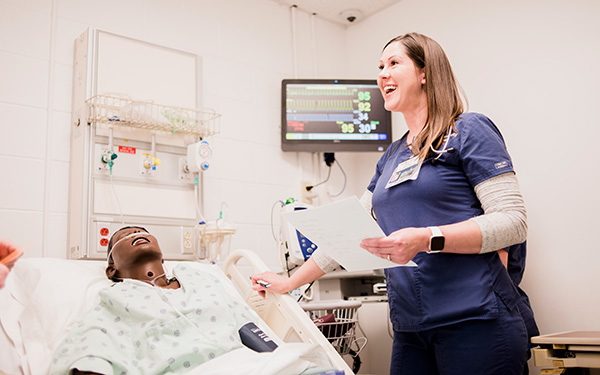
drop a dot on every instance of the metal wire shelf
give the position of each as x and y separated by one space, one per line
337 321
120 111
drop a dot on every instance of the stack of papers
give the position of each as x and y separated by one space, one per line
337 229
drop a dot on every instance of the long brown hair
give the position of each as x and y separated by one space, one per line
444 102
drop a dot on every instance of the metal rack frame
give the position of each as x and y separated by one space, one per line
341 329
122 111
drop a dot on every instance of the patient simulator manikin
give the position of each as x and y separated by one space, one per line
138 257
147 323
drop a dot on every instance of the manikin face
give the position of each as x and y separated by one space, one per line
134 246
400 81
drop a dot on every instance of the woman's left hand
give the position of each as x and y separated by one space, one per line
278 284
400 246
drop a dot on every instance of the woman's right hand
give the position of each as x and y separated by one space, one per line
279 284
7 248
3 275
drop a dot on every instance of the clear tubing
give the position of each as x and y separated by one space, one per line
165 299
153 145
112 184
110 139
134 234
149 281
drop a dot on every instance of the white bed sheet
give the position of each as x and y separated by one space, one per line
43 296
288 359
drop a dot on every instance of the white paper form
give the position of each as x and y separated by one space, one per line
337 229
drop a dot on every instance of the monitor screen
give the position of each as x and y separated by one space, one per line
329 115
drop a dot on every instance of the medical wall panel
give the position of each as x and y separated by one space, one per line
136 109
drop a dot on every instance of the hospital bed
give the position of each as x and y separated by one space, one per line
43 296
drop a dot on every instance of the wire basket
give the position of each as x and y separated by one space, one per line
123 111
337 321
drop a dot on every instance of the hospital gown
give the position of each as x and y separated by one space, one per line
140 329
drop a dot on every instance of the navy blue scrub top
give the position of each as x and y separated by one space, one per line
444 288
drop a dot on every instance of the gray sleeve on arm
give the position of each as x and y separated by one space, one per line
365 201
504 219
324 261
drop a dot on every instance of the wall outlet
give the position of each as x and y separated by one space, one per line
187 238
307 196
184 170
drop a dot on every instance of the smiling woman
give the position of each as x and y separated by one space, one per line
446 196
414 87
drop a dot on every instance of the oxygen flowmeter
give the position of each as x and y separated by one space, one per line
108 157
151 161
198 156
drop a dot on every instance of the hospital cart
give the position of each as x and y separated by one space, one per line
573 352
337 321
372 318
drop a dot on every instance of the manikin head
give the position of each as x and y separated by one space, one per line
133 253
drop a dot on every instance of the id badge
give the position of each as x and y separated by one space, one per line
407 170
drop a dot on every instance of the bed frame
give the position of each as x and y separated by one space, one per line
283 315
28 297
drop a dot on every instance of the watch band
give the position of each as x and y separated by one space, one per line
436 231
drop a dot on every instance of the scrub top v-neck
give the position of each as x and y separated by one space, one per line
444 288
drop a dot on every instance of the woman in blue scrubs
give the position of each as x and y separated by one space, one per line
446 197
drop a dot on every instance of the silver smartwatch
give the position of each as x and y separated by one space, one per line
436 241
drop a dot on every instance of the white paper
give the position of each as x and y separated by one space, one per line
337 229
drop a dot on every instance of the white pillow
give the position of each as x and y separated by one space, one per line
45 296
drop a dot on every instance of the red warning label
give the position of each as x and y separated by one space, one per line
127 150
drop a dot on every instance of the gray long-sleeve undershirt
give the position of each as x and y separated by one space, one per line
503 223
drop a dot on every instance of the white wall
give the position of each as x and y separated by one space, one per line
245 49
532 66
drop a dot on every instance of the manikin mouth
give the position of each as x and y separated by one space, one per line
139 240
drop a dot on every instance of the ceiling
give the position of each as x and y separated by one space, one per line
345 12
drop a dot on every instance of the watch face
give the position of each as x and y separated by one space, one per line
437 243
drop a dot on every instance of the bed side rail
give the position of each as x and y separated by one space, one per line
280 311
